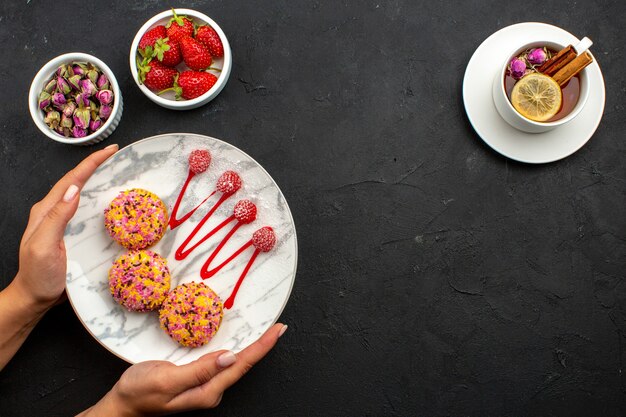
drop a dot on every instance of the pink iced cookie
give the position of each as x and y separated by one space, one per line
191 314
136 218
139 280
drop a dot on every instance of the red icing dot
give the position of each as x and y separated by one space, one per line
264 239
199 160
229 182
245 211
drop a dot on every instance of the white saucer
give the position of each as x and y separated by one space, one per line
503 138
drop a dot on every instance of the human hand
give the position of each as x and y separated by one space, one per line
42 260
158 387
40 280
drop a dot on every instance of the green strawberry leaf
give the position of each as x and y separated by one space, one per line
160 47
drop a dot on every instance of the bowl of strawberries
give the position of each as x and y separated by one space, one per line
180 59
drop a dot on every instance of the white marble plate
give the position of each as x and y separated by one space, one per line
531 148
159 164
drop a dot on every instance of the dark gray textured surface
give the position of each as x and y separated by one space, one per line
435 277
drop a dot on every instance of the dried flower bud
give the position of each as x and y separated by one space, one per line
52 119
74 81
103 82
95 124
87 87
518 68
63 86
105 96
537 56
93 75
105 112
82 100
81 118
51 86
77 132
66 121
63 71
69 108
58 100
44 100
79 69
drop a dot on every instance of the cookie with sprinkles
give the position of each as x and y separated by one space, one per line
191 314
139 280
136 218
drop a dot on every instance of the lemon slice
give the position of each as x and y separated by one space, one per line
537 97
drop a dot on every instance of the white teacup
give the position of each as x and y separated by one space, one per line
515 119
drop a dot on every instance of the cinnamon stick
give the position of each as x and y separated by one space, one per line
572 68
558 61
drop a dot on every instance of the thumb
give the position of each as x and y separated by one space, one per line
53 226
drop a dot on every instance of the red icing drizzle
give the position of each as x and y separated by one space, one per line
229 302
205 272
174 222
183 251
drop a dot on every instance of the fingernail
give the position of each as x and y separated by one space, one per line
70 193
283 330
226 359
115 145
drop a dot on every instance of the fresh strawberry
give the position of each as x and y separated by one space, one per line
245 211
195 54
192 84
209 38
155 75
166 51
199 160
229 182
178 27
264 239
150 37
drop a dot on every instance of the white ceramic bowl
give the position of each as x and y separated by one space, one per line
225 63
42 78
515 119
